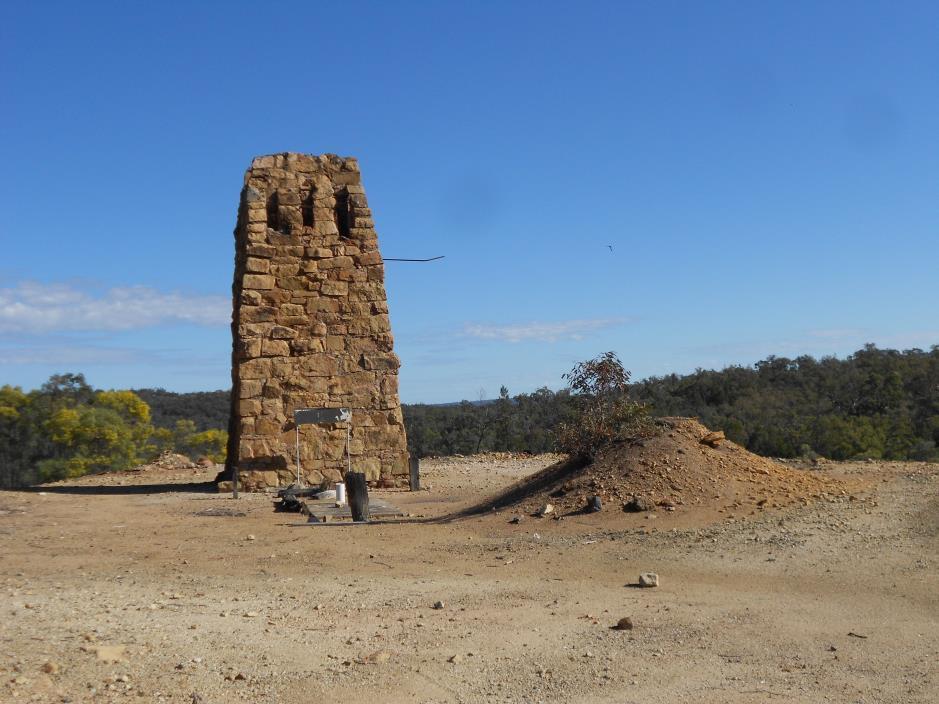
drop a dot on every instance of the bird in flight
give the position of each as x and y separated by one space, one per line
610 246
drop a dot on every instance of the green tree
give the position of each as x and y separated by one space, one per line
109 433
505 425
183 430
210 443
13 436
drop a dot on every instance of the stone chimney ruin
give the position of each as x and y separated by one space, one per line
310 328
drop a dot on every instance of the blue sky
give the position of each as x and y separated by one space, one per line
766 174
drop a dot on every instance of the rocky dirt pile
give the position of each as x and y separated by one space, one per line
685 464
172 460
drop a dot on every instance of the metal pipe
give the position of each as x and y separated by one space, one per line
398 259
348 456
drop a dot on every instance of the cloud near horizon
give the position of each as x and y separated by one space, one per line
36 308
75 355
540 331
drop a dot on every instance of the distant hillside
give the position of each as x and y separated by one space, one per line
207 409
874 403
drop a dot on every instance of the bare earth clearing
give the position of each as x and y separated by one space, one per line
836 600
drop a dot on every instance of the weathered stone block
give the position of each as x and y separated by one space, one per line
273 407
368 258
257 265
258 314
346 178
257 281
336 263
254 368
249 388
318 365
387 361
371 466
272 389
280 332
267 426
250 298
247 349
288 196
400 466
285 270
249 407
303 347
261 250
325 227
334 288
295 284
275 348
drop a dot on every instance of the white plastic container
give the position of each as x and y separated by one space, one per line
340 494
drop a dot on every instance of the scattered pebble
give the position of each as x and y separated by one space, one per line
108 653
637 504
624 624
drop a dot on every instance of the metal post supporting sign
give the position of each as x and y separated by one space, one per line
323 416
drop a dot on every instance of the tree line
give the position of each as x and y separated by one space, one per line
67 429
875 403
881 404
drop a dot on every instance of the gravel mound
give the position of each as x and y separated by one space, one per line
172 460
684 464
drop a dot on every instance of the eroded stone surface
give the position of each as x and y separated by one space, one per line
311 327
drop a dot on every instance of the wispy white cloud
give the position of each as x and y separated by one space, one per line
818 343
922 339
37 308
540 331
74 355
835 334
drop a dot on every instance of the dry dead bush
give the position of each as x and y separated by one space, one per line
604 413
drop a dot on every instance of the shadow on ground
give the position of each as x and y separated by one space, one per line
130 489
536 484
